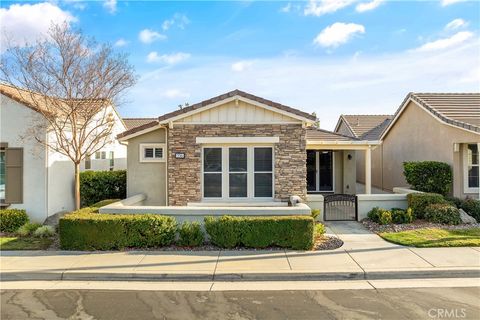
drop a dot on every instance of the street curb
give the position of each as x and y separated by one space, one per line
240 276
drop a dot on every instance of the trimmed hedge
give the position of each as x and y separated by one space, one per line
295 232
84 230
429 176
96 186
420 201
442 213
12 219
190 234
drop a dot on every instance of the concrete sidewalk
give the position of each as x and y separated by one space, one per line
363 256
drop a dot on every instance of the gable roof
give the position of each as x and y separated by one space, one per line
364 126
232 94
325 135
131 123
461 110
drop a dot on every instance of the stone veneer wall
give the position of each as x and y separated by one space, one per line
184 175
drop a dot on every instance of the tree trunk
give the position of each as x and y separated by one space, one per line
77 186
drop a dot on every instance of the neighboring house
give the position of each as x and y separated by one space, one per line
366 127
238 148
435 126
33 177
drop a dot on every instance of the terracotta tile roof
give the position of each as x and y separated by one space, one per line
232 94
363 124
138 129
325 135
458 109
131 123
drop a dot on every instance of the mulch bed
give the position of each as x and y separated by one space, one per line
327 243
417 224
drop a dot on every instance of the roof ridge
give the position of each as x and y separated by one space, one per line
335 133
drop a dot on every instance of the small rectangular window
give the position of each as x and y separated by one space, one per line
100 155
152 152
473 166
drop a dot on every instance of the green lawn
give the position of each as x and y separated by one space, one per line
425 238
16 243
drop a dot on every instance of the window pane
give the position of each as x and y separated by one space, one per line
263 159
158 152
326 171
112 158
473 177
311 171
212 160
472 154
212 185
238 185
238 159
263 185
2 175
148 152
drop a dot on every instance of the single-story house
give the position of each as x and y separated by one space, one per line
238 148
33 177
366 127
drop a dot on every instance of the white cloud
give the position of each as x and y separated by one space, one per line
286 8
26 23
445 43
149 36
456 24
321 7
180 20
367 6
243 65
173 58
110 5
337 34
449 2
175 93
121 42
299 81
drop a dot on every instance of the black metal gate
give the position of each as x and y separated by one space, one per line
340 207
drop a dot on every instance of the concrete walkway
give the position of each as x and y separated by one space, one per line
363 256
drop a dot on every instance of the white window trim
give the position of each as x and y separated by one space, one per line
317 173
466 188
250 174
143 146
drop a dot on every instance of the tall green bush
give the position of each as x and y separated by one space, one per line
96 186
85 230
472 207
429 176
190 234
295 232
442 213
12 219
420 201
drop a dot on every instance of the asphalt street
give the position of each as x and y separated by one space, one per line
420 303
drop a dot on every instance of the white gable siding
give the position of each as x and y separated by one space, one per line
241 113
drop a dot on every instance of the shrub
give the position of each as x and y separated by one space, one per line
420 201
442 213
315 213
472 207
100 185
103 203
191 234
374 214
12 219
428 176
319 229
295 232
44 232
400 216
83 230
454 201
385 217
28 229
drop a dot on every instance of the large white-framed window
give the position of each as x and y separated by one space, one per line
471 167
152 152
236 173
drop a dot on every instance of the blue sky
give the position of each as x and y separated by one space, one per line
329 57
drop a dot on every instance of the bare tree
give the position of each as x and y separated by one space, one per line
73 82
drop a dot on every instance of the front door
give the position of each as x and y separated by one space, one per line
320 170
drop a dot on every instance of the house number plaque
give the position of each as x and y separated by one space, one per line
179 155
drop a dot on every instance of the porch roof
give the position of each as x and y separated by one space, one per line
324 139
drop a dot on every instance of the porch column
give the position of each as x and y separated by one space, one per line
368 170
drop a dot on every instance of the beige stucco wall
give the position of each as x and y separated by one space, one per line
418 136
376 167
146 177
343 129
344 172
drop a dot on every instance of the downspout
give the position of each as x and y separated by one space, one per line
47 172
166 165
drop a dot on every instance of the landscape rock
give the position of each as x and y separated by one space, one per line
466 218
54 219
